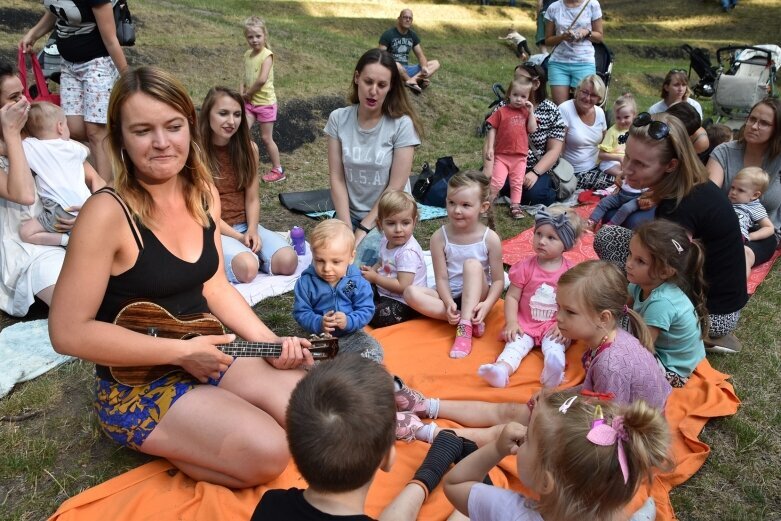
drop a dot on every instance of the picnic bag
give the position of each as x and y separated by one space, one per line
40 90
431 188
126 29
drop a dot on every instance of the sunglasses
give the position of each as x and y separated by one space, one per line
656 129
673 71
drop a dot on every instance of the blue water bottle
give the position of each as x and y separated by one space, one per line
297 237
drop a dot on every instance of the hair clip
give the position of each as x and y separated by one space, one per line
625 310
605 435
567 404
622 138
599 418
677 245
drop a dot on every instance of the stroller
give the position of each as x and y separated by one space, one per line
748 76
699 60
603 57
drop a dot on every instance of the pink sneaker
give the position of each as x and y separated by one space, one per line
407 424
274 175
410 400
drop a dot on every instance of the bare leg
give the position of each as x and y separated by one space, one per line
406 506
46 294
250 119
425 301
243 442
245 266
750 258
97 135
483 414
76 128
284 261
33 232
475 288
560 93
266 131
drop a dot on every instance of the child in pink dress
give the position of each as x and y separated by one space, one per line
530 303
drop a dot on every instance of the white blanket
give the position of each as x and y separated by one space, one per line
25 353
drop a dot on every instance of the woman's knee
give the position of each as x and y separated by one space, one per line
284 261
245 267
96 132
262 459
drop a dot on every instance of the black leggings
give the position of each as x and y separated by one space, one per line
388 311
763 249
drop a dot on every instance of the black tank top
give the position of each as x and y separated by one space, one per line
159 276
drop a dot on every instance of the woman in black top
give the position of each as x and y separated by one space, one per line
219 419
660 156
91 61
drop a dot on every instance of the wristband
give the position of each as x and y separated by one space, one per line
363 228
535 172
588 35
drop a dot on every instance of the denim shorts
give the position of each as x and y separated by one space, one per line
272 242
412 70
568 74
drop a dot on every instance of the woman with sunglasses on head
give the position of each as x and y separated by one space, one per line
547 140
759 145
660 156
586 127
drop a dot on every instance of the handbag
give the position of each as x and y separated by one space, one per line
564 181
40 90
431 188
126 29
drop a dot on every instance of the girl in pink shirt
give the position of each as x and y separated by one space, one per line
530 303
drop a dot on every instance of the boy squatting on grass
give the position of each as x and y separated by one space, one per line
340 428
63 177
332 296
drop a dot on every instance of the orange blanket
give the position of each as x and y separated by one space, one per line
418 352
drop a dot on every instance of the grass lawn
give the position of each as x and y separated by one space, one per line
59 450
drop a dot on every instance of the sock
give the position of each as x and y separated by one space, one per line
64 238
433 408
426 433
462 346
443 452
469 448
497 375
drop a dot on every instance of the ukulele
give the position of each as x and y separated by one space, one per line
150 319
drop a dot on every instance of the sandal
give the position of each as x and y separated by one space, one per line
414 87
516 212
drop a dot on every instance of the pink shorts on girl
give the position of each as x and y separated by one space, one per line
262 113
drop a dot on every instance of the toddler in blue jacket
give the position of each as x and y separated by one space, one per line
332 296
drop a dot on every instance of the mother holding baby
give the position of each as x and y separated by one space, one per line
371 144
26 270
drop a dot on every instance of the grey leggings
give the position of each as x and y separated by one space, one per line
611 243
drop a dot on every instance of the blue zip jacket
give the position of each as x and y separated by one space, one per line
352 295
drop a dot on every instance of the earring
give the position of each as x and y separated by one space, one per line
122 157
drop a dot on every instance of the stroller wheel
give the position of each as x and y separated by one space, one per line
499 91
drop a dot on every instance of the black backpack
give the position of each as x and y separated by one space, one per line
431 187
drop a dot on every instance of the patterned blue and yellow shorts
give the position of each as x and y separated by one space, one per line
129 414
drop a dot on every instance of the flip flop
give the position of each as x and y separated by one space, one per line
424 83
414 87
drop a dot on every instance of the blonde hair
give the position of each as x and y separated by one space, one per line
600 286
393 202
625 100
43 117
676 145
597 85
329 230
196 175
522 83
257 23
675 74
756 176
467 178
587 480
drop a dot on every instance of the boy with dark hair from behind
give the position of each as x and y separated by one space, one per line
341 422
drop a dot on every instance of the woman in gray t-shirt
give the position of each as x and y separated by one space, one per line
371 143
759 145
